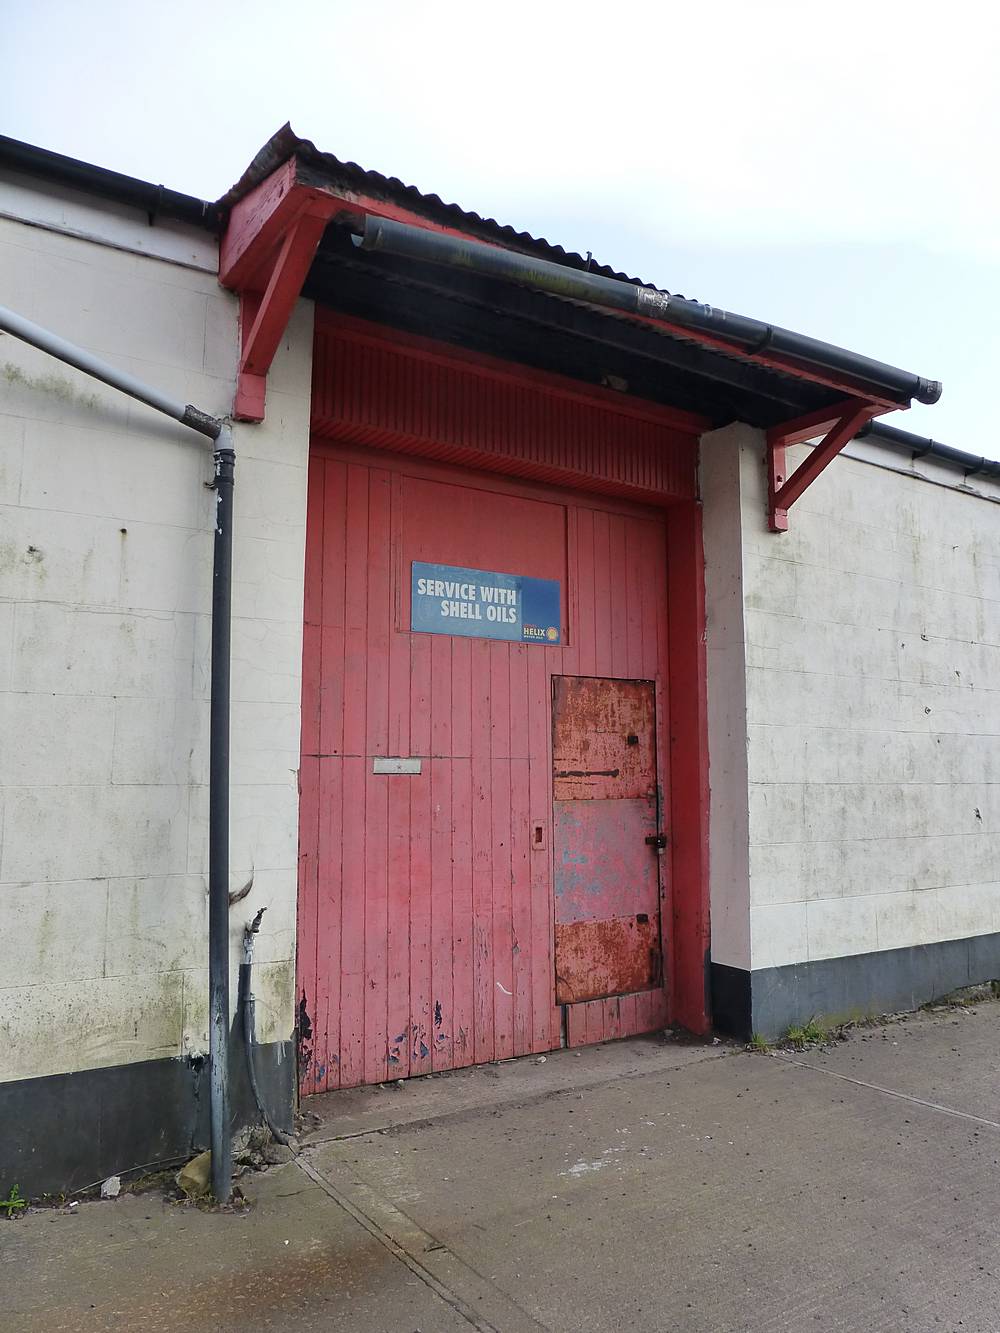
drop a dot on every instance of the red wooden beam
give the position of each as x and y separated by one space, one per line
264 318
269 244
783 490
809 426
688 786
256 226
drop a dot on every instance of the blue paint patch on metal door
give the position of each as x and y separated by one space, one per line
484 604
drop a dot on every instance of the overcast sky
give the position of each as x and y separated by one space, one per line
834 168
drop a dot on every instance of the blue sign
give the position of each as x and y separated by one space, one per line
481 604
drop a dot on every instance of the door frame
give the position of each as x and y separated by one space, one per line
682 724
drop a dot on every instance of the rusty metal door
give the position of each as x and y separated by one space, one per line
606 838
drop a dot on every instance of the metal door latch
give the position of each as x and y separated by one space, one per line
657 840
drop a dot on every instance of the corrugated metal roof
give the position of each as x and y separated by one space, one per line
286 144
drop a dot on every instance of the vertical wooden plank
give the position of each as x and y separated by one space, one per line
419 742
315 545
352 949
356 614
518 697
334 520
333 607
613 1017
376 666
421 906
463 914
628 1008
520 890
376 926
332 690
545 1016
633 602
309 1001
500 868
328 934
654 538
379 615
402 643
603 660
595 1021
398 1016
499 699
461 693
441 696
482 855
503 943
313 608
586 652
442 923
563 661
576 1025
618 595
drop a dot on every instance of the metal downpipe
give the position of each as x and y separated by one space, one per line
218 818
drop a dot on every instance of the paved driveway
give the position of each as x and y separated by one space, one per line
645 1185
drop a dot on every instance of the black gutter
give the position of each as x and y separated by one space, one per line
747 335
156 201
921 446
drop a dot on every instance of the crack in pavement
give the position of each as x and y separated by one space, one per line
405 1239
890 1092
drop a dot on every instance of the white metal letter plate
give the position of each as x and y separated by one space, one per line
393 764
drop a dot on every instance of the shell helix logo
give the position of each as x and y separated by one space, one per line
552 634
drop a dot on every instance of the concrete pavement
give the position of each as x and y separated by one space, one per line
644 1185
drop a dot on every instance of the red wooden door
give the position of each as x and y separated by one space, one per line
426 909
605 815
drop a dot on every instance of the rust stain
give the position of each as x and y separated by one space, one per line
600 958
603 738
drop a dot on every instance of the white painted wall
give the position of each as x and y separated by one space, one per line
105 586
872 642
729 827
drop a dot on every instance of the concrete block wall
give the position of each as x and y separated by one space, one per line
105 585
873 704
871 637
729 828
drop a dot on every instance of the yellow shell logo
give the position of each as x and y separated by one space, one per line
552 633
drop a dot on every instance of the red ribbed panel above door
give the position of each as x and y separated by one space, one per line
375 387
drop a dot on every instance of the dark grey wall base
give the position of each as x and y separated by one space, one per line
840 989
67 1131
731 1007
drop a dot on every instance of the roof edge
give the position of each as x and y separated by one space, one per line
285 144
153 200
922 446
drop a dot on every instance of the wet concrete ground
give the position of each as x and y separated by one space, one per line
645 1185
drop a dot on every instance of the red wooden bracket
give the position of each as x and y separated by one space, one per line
840 422
269 243
268 246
